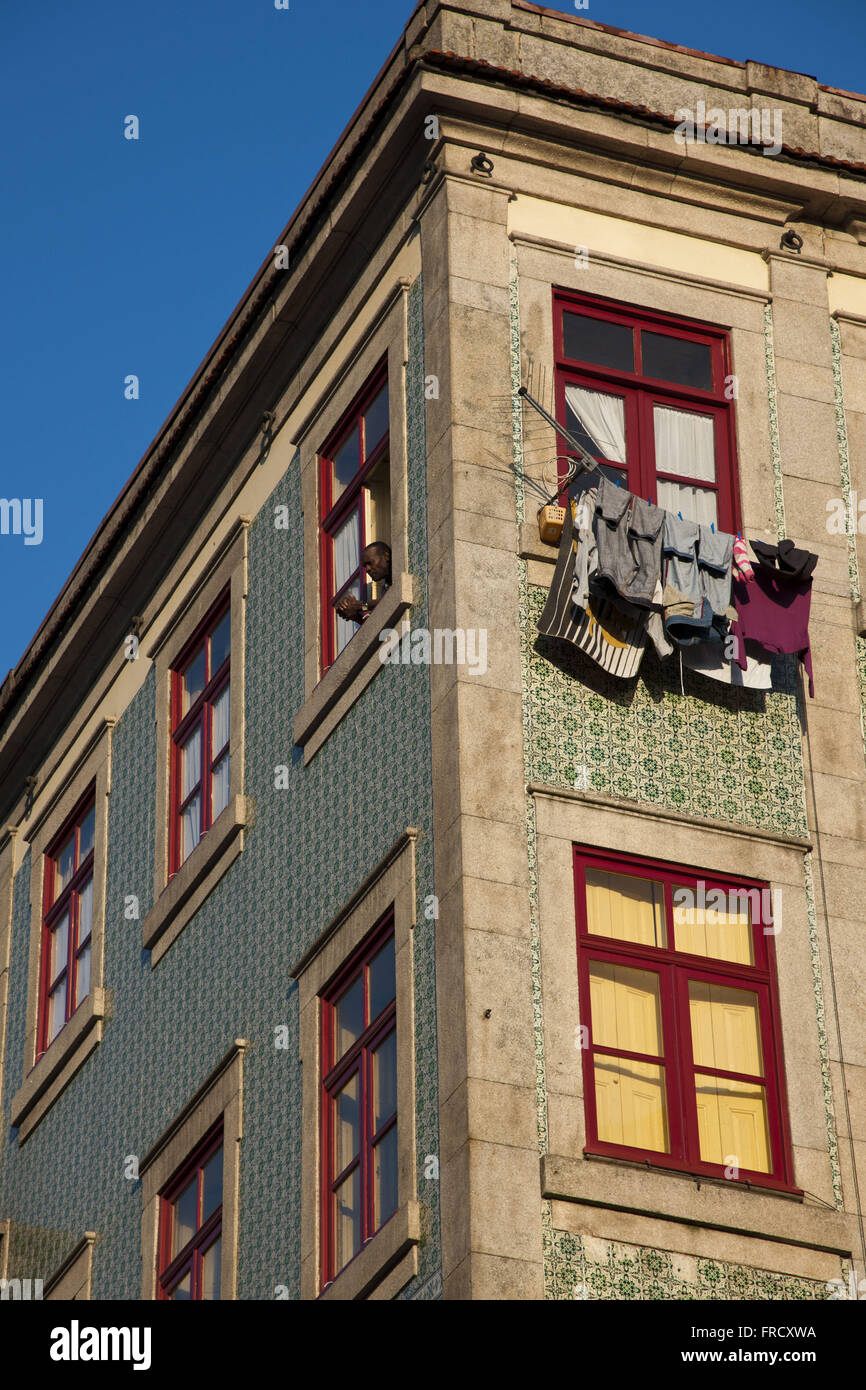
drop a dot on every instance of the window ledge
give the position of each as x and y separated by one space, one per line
59 1063
400 1235
532 547
674 1196
354 668
179 901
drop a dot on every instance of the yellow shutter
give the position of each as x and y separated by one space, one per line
627 908
630 1096
732 1115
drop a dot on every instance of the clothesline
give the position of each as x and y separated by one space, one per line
585 460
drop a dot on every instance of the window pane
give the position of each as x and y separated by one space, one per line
347 1220
59 947
375 422
346 464
725 1028
193 680
346 1124
346 630
221 782
82 977
220 721
181 1292
631 1106
732 1123
347 549
65 865
627 908
348 1018
212 1185
385 1178
190 763
588 339
57 1010
185 1220
85 838
190 827
384 1081
85 912
210 1270
219 643
677 359
694 503
723 932
685 443
597 419
626 1008
381 981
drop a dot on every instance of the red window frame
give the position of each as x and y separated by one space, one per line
189 1259
200 712
333 513
643 392
358 1058
53 909
675 969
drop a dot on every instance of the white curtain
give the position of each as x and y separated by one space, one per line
695 503
603 418
220 721
347 555
685 444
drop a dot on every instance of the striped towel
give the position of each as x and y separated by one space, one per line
613 640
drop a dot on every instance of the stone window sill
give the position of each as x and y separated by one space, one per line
672 1196
182 897
354 668
56 1067
399 1237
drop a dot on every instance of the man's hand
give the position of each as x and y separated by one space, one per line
350 608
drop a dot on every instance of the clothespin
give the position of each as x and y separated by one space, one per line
713 527
739 537
680 515
617 482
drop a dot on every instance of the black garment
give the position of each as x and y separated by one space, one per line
785 558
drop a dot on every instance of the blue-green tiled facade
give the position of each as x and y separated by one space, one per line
227 974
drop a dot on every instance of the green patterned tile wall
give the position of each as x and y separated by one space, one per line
713 751
584 1267
227 975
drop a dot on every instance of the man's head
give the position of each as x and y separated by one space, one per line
376 560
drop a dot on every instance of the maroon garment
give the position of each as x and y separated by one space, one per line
773 609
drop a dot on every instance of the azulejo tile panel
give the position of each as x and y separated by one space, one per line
708 749
587 1268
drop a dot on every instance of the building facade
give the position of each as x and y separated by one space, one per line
303 991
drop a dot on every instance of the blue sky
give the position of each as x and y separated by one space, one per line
125 257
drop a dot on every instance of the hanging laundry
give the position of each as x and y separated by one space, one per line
774 608
715 551
798 564
628 537
613 639
742 565
585 552
708 659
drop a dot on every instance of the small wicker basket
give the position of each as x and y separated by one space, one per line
550 523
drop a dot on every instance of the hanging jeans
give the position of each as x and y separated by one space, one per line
628 536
